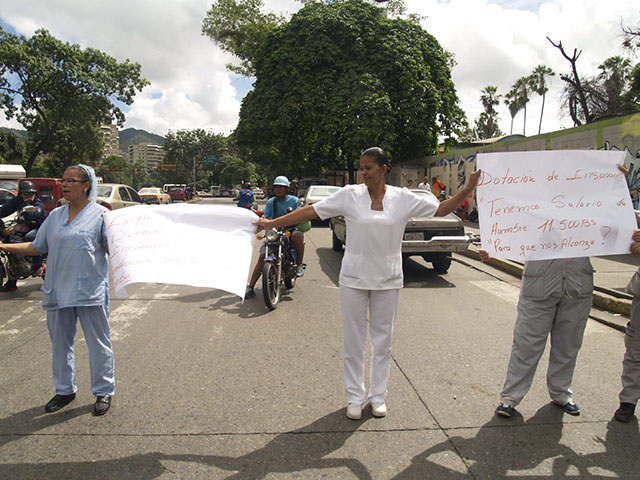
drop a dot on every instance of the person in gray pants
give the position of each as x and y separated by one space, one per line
631 363
555 300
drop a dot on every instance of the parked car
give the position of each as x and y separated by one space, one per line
49 190
154 195
225 193
116 195
304 183
178 194
258 193
5 196
315 193
9 176
432 238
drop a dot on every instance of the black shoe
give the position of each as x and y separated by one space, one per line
58 401
9 286
102 405
250 293
624 414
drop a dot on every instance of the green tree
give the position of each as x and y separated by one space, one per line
340 77
522 88
512 102
240 28
184 148
539 85
61 93
610 95
115 169
11 149
486 125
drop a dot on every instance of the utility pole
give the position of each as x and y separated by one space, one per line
194 175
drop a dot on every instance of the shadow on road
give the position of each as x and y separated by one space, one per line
417 275
513 448
35 419
309 447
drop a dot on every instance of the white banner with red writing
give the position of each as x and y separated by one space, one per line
198 245
554 204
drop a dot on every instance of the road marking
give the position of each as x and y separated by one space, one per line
502 290
23 313
131 309
9 332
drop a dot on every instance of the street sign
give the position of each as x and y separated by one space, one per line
166 167
213 158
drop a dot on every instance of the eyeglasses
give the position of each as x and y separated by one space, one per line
71 180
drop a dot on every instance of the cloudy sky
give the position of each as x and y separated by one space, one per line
494 41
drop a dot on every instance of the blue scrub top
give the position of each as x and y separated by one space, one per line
77 268
276 208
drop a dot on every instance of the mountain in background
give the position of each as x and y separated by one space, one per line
21 134
133 136
128 136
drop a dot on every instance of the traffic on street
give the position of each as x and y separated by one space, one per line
209 386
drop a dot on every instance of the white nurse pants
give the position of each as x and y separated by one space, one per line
382 307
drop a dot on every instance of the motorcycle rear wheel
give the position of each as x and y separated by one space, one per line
270 285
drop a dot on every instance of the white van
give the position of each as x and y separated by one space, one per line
9 176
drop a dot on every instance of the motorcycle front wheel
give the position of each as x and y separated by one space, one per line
270 285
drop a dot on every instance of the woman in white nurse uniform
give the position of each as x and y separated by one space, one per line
371 272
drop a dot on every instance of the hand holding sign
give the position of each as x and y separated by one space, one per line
554 204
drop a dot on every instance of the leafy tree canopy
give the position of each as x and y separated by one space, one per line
341 77
61 93
184 147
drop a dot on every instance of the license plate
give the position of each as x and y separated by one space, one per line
414 236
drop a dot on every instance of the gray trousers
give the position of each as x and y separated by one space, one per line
631 363
564 319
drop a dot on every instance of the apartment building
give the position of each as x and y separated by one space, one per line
149 153
110 140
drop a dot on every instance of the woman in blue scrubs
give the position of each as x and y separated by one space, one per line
76 287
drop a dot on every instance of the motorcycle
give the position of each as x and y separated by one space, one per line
12 266
279 270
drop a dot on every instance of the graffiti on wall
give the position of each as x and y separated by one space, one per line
633 162
454 171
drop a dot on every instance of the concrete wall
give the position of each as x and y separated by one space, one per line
622 134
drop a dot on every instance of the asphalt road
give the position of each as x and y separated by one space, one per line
209 387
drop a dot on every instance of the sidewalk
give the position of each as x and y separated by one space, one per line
611 275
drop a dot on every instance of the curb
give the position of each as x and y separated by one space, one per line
601 300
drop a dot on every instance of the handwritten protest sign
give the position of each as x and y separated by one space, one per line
554 204
198 245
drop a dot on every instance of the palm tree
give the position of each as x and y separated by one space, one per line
523 90
489 100
539 85
514 106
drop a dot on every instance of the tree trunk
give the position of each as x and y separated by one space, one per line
541 112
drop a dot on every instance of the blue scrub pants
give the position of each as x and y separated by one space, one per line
62 330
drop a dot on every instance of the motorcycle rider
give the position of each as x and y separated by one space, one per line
277 207
245 196
29 223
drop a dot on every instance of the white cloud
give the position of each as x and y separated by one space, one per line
495 43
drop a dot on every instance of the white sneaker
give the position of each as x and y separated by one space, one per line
379 409
354 411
